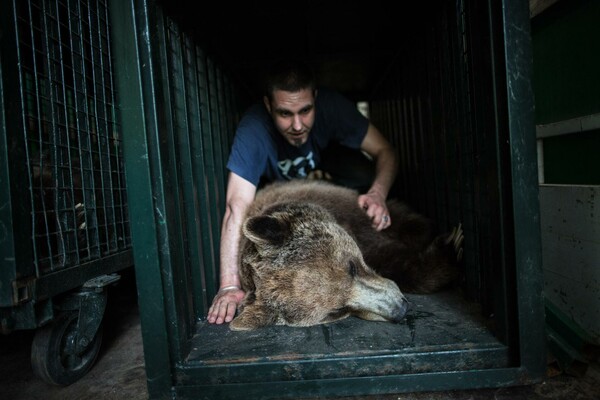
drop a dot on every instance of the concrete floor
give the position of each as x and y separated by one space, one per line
119 371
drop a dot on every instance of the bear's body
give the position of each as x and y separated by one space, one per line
309 255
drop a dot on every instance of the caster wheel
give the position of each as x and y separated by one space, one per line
54 357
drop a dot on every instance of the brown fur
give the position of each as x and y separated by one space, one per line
307 251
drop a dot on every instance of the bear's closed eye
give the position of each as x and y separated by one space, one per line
352 268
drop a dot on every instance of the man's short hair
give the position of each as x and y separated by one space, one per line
289 75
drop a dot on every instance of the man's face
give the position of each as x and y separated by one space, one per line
293 114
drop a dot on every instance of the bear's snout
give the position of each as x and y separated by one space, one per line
378 299
400 311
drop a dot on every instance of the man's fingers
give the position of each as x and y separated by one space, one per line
222 313
382 223
379 216
212 313
224 306
230 311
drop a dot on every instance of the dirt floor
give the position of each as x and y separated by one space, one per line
119 371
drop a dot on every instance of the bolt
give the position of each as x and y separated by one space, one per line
84 342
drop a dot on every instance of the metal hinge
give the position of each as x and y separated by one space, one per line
22 290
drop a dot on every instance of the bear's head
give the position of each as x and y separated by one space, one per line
299 267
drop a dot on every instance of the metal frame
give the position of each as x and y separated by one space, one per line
170 304
59 146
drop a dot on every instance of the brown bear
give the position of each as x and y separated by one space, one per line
309 255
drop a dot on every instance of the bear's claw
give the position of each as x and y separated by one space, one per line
456 238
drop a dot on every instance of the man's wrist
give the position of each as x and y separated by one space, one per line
228 288
379 190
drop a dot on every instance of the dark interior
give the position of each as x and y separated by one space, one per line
426 69
165 82
349 44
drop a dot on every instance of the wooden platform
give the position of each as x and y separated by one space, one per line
441 332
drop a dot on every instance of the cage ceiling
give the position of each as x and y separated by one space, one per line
349 44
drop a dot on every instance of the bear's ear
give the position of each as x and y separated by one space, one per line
266 229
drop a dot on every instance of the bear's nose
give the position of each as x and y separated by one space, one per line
401 310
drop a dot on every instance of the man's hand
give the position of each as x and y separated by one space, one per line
374 205
225 304
319 175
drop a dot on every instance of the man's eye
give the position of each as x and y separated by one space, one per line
353 269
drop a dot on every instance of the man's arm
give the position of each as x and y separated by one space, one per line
240 193
386 168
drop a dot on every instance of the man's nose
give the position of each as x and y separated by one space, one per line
297 123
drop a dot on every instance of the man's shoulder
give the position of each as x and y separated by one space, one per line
256 113
329 98
326 93
255 122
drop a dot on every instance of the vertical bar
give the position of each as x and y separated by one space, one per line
16 245
176 159
210 171
80 126
99 131
132 23
104 72
501 276
68 202
224 127
517 42
165 50
216 132
205 260
56 146
119 168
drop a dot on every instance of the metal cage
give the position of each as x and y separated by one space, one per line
64 213
457 102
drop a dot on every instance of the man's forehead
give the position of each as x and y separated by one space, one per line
293 101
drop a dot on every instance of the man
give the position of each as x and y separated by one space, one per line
284 139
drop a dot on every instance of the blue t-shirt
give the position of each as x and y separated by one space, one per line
260 153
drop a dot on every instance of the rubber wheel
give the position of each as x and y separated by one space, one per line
52 352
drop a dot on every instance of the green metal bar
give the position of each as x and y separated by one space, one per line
105 94
212 277
201 251
132 24
216 132
61 281
358 386
405 361
179 199
518 56
99 129
570 330
166 188
81 127
117 167
35 111
572 346
495 265
69 217
225 128
232 117
56 147
16 247
569 359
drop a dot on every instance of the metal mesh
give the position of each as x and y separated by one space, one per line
73 148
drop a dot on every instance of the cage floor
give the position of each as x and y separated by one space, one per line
441 332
